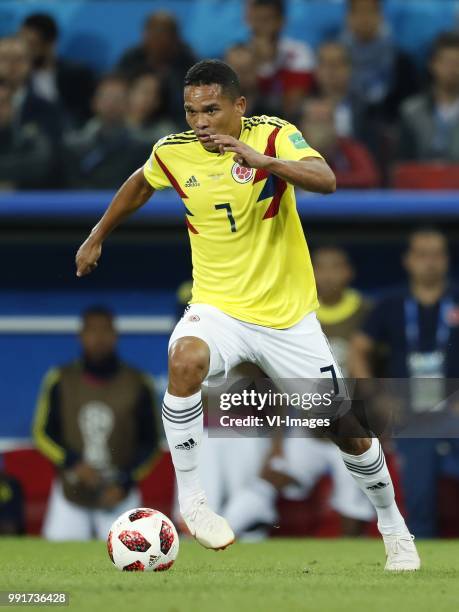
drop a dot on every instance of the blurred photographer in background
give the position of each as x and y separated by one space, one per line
95 420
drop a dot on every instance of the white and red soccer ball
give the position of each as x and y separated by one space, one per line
143 540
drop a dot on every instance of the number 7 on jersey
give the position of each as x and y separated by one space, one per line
227 206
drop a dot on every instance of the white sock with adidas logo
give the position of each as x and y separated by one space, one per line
183 424
370 472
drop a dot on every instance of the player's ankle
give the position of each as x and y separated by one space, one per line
391 529
188 503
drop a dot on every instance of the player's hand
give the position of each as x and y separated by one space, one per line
243 154
87 256
87 475
111 496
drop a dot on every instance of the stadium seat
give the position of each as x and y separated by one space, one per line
425 176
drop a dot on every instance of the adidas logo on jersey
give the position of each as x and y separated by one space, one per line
192 182
188 445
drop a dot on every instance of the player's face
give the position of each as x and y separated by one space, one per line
208 111
332 272
427 258
98 337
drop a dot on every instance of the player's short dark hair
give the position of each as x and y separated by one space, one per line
445 40
278 5
97 310
44 24
214 72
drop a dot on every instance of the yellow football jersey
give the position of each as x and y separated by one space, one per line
249 253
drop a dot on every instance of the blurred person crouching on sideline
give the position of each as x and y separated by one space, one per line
106 150
147 105
96 421
349 159
25 151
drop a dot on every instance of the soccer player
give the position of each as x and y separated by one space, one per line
254 295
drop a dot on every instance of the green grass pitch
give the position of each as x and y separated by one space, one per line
278 575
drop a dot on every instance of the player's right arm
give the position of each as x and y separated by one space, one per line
133 194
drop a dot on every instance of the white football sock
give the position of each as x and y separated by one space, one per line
372 476
251 505
183 424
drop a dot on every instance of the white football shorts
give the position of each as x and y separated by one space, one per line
287 356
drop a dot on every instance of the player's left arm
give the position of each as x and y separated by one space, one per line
311 172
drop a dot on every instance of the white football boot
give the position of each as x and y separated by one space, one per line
208 528
401 553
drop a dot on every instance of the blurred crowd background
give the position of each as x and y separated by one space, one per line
357 93
86 88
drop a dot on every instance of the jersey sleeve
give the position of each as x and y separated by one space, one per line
153 172
291 145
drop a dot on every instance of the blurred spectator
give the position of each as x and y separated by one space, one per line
342 309
106 150
382 76
284 66
350 160
11 506
242 61
15 68
146 109
53 78
95 420
418 327
164 53
333 82
25 151
429 126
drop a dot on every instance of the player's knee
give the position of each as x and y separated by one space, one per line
353 446
188 364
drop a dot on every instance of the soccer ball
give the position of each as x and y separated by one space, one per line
143 540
